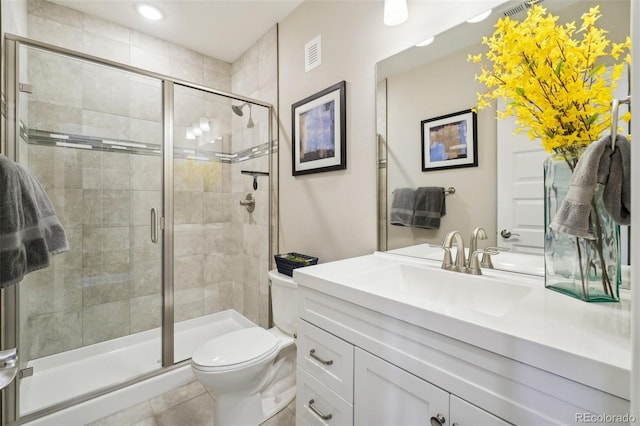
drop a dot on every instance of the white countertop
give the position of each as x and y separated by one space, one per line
589 343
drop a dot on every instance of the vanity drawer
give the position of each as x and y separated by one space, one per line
316 404
327 357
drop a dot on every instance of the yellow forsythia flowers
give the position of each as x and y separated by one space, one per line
554 78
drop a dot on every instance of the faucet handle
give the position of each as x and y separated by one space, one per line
475 264
486 257
447 261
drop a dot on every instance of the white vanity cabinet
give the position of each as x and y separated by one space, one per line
340 384
364 366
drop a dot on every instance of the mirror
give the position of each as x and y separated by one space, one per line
422 83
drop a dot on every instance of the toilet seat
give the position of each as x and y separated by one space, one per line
235 350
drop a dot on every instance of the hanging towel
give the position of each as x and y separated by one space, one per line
29 229
429 208
401 213
613 171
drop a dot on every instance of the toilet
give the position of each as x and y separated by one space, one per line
253 370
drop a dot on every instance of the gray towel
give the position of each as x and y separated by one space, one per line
29 229
430 207
613 171
401 213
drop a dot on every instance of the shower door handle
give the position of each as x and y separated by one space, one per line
154 225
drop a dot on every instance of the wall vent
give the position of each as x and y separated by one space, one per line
520 8
312 54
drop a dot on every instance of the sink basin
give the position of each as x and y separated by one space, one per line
489 295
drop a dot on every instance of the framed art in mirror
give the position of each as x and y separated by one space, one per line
319 131
449 141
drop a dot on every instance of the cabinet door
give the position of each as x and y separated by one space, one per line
465 414
387 395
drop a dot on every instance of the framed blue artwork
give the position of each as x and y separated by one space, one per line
449 141
319 131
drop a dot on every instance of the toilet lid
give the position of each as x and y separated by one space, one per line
236 347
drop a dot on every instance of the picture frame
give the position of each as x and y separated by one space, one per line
319 132
450 141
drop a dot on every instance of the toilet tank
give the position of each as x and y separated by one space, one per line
284 301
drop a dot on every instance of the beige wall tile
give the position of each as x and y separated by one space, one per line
107 48
54 12
105 321
146 313
106 29
146 100
58 118
53 333
54 32
105 90
188 303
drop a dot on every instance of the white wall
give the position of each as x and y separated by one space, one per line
332 215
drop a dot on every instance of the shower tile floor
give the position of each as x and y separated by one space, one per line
188 405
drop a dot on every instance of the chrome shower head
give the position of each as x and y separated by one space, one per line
237 109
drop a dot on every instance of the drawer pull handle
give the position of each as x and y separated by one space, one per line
318 412
312 354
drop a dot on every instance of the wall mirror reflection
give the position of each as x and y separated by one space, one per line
504 194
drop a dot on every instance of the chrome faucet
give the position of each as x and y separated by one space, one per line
478 233
473 265
447 243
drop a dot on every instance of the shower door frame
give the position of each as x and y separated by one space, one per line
9 297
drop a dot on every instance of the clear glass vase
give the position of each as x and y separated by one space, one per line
584 268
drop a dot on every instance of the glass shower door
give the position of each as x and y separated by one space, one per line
92 135
221 212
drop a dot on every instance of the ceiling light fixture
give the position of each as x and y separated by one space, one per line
395 12
150 12
479 18
426 42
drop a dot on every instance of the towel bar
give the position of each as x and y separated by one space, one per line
450 190
615 104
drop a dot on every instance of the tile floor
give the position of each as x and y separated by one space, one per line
189 405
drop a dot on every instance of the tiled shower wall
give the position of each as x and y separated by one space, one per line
254 75
109 284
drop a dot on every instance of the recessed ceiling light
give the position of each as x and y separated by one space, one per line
150 12
425 42
479 18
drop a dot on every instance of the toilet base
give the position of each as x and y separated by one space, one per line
264 397
271 407
252 411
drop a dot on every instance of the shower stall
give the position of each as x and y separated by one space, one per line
147 175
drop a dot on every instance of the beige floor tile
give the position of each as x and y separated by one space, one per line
195 412
177 396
